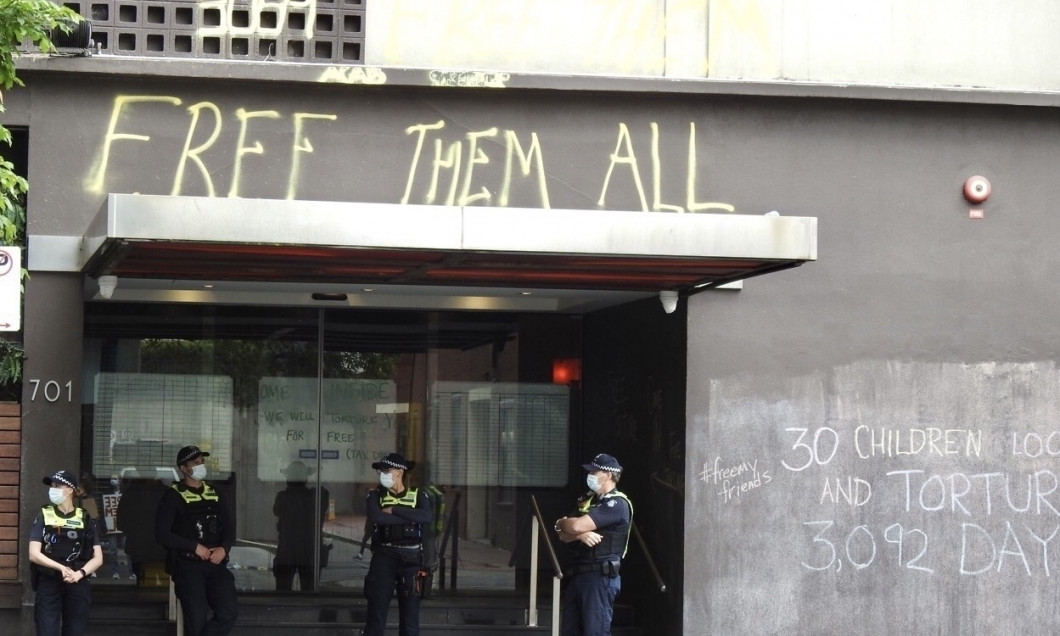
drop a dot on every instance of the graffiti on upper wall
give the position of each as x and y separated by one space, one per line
476 79
741 21
352 75
623 38
238 152
261 17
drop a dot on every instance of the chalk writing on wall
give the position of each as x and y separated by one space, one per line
734 479
882 484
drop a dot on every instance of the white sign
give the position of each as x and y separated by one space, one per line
10 288
110 512
358 427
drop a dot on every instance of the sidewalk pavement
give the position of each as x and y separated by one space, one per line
17 621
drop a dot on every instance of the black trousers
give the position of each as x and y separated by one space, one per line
388 570
589 604
202 587
61 609
284 574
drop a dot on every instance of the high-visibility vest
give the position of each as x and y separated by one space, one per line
200 518
405 534
616 540
67 539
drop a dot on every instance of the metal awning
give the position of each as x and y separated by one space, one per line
368 254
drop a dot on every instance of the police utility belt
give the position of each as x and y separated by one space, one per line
405 535
609 568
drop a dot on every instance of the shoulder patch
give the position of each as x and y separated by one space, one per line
610 503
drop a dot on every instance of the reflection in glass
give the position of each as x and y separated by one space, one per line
299 516
294 405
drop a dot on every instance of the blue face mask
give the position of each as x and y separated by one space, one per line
593 482
56 495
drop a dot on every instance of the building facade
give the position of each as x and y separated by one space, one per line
319 233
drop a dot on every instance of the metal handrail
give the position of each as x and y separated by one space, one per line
552 556
451 522
540 528
647 555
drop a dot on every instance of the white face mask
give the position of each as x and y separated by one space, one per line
593 482
386 480
198 472
56 495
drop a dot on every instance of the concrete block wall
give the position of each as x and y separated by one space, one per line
299 31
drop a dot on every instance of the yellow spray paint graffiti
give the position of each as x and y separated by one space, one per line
268 148
241 20
624 155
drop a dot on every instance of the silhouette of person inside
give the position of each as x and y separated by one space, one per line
135 518
297 527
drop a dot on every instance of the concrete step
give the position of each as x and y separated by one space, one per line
480 614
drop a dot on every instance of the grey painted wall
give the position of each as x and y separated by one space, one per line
933 332
915 316
51 393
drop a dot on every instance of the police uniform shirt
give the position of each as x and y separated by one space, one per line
421 514
611 513
86 537
172 507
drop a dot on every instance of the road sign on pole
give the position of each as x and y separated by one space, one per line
10 288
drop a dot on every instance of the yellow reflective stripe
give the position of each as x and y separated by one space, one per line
408 499
208 493
51 519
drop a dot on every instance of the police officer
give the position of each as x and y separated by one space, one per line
398 515
198 531
64 550
598 535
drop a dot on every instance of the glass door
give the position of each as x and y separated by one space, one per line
240 383
294 405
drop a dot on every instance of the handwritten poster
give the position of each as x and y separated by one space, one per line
357 427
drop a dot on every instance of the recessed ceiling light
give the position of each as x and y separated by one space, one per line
526 293
368 289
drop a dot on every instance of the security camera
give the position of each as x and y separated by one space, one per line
107 285
668 300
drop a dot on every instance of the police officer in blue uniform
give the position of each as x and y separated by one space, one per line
597 534
398 515
198 531
64 550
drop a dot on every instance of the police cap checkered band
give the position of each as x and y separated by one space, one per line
393 460
189 453
603 461
63 477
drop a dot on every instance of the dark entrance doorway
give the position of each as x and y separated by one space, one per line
303 400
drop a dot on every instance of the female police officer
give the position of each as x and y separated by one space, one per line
64 550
